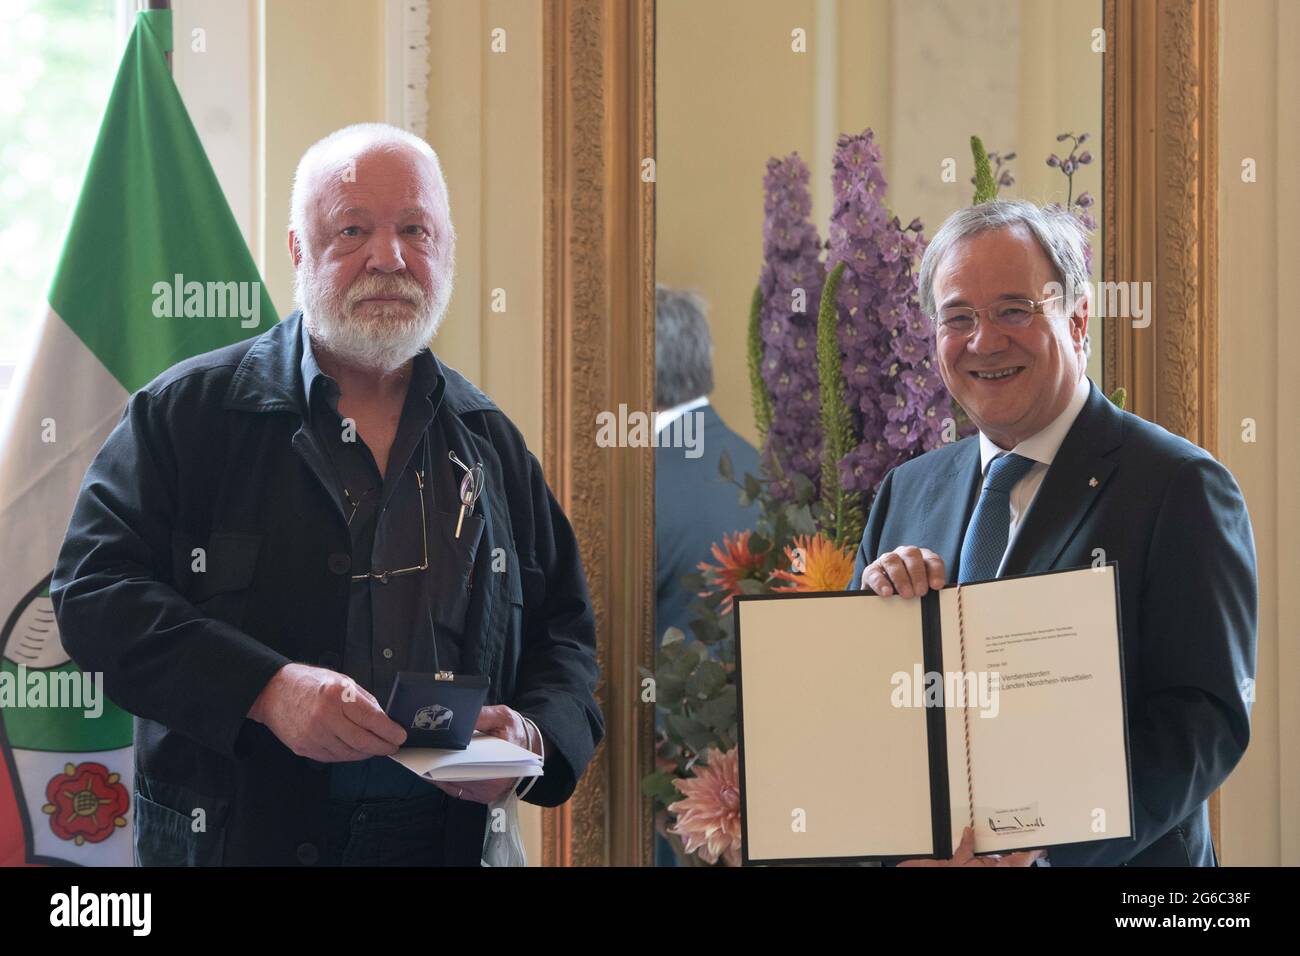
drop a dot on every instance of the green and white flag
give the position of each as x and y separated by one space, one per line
154 269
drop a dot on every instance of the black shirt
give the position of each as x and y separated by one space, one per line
390 623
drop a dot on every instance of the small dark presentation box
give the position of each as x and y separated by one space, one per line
437 709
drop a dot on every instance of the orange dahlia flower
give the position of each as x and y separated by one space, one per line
818 566
735 563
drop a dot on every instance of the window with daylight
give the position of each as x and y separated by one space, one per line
57 61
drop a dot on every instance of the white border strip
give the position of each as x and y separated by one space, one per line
406 64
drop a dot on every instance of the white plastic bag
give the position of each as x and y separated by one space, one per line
502 843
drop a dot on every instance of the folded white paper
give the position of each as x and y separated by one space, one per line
486 758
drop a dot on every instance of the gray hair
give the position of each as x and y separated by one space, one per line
360 137
683 348
1061 236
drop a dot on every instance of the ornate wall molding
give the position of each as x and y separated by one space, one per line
1160 185
598 353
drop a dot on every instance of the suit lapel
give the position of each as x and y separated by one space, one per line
951 494
1076 479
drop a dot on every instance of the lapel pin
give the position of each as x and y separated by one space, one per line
1092 482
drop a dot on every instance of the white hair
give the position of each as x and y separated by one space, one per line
1061 236
351 141
390 339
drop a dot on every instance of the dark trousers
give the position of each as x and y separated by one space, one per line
414 832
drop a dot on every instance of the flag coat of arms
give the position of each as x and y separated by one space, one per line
153 270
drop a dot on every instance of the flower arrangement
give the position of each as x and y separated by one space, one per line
844 386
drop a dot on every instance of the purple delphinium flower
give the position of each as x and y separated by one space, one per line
891 374
1077 206
791 286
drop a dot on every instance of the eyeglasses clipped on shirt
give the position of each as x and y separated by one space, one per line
471 487
383 576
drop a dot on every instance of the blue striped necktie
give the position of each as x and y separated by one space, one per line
990 525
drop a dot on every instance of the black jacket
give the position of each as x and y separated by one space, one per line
213 454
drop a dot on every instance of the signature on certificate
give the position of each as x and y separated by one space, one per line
1016 819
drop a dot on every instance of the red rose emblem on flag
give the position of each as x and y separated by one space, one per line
86 803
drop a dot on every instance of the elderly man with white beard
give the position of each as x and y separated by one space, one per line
275 530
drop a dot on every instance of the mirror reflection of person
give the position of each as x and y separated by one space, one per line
694 506
1056 473
310 467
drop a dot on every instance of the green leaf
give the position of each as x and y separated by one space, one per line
673 635
679 668
707 630
707 680
841 507
681 726
670 690
985 186
724 467
1119 397
700 607
801 520
667 654
701 740
762 401
659 786
693 582
692 653
804 489
719 712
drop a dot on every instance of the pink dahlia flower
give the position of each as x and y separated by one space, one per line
708 819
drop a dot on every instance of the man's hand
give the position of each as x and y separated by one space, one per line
499 721
908 571
326 716
965 856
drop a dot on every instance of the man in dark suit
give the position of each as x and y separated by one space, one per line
1058 477
694 505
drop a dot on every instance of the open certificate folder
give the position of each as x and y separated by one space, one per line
486 758
879 727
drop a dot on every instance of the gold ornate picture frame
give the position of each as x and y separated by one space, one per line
1160 156
598 354
1160 207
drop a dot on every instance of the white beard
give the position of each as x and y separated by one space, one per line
386 339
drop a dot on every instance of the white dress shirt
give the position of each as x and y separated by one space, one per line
669 415
1042 448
